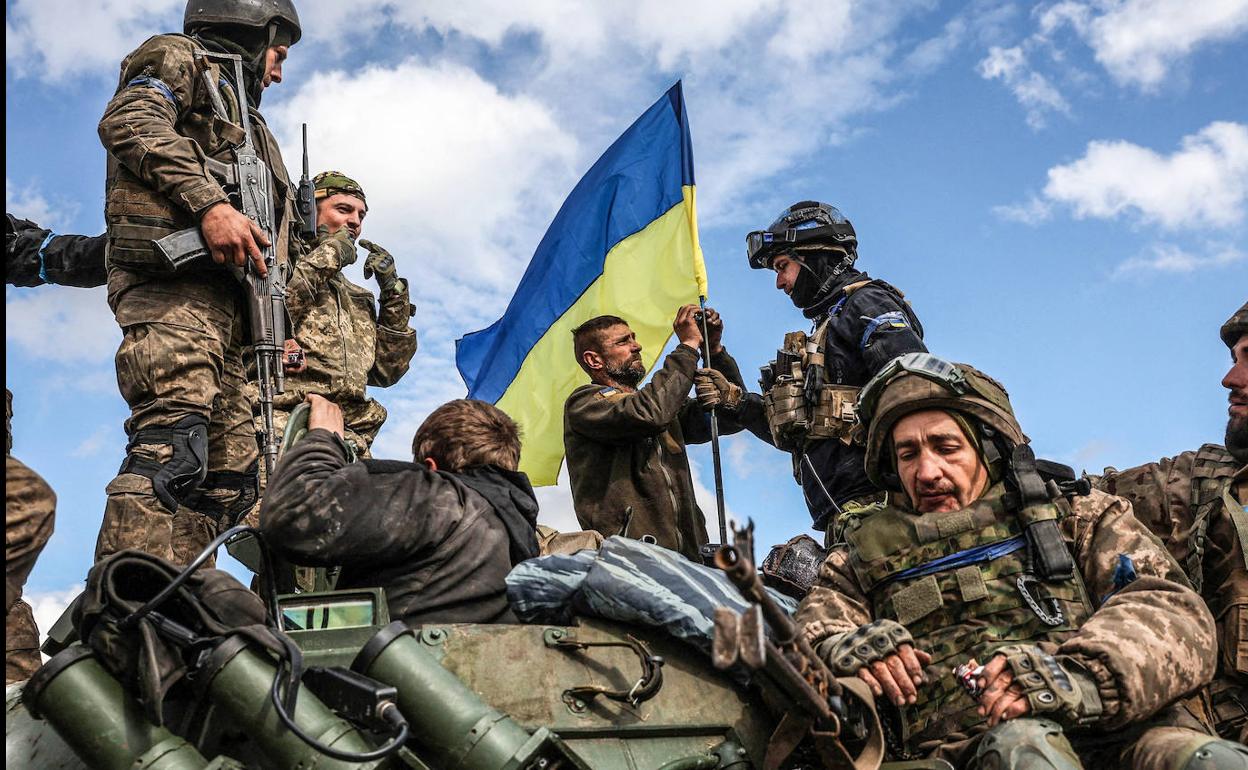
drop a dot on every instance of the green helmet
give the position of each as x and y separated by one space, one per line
915 382
244 13
1235 327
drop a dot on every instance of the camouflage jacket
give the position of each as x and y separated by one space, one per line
626 454
438 546
1144 642
1166 497
159 130
35 256
347 343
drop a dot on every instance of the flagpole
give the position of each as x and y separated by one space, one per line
719 471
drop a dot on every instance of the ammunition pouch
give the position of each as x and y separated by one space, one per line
244 488
846 654
787 414
800 406
1230 708
833 415
175 479
1052 685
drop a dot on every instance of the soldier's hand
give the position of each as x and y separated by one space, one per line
325 414
294 361
714 391
380 263
340 242
1001 699
714 330
898 675
234 238
687 328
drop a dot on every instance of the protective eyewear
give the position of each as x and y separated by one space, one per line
924 365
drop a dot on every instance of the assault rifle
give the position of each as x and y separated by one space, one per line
248 182
816 703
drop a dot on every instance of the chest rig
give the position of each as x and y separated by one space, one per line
1212 476
801 405
965 583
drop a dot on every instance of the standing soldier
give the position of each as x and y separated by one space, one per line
1195 504
172 125
29 510
348 343
1087 628
859 324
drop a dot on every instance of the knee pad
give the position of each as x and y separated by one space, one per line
1027 743
245 486
174 479
1218 754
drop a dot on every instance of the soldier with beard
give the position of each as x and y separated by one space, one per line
1195 503
859 324
626 446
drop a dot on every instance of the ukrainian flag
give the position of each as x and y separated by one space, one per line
625 243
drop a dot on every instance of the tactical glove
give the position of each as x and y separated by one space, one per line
339 242
849 652
380 263
1057 686
714 391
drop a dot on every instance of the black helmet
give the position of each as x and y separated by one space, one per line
245 13
807 222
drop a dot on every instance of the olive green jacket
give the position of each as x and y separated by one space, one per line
626 454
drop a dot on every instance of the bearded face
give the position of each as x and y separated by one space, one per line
1236 381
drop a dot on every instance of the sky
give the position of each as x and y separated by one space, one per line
1060 189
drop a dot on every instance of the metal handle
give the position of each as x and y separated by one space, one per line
645 688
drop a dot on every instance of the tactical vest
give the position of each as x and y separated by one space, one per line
952 580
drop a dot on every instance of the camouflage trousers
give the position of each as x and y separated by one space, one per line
181 356
29 512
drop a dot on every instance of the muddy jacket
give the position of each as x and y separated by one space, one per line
158 129
35 256
1195 503
347 343
869 324
1144 641
439 543
626 454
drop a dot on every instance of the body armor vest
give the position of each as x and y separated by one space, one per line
952 579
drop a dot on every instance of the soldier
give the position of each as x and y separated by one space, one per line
35 256
984 553
626 446
348 344
191 460
439 534
1195 503
859 324
29 512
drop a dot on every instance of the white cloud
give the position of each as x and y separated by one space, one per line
1202 184
55 323
1031 212
29 202
1033 90
56 39
1140 41
1173 260
92 445
48 606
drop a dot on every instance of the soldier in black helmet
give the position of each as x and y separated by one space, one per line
858 324
191 461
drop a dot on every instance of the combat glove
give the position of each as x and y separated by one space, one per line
379 262
339 243
714 391
1053 685
849 652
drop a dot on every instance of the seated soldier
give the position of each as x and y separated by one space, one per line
438 534
1087 627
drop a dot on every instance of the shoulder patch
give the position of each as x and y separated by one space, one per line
607 391
893 320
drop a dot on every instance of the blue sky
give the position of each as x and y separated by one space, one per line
1059 188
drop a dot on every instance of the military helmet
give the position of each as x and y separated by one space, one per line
803 223
329 183
1235 327
245 13
914 382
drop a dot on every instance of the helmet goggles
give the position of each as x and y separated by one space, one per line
808 222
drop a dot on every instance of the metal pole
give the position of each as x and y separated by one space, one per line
719 471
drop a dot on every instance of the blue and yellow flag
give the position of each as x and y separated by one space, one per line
625 243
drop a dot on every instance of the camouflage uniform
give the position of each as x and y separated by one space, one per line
29 510
35 256
1136 639
180 364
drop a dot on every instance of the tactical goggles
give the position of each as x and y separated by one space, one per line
760 245
924 365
